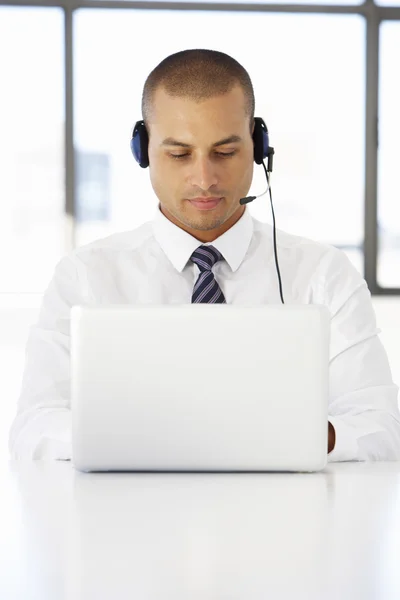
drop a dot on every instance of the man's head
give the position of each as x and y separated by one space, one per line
192 101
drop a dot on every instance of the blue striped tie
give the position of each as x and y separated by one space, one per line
206 288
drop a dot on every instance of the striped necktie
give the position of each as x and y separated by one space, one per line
206 289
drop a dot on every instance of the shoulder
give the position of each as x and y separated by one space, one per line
102 254
299 251
325 270
123 240
289 242
108 250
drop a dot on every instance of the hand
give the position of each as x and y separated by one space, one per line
331 437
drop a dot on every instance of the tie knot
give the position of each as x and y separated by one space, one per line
205 257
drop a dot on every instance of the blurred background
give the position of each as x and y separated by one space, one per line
326 81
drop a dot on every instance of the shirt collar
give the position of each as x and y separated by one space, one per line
179 245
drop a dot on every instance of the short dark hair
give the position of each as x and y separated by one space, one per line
198 74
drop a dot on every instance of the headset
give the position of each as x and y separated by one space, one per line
262 149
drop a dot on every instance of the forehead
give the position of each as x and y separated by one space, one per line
223 112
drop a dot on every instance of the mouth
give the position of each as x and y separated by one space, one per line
205 203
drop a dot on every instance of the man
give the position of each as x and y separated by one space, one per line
198 109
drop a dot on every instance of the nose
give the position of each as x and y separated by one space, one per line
203 173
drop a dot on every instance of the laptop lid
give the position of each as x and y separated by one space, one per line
199 387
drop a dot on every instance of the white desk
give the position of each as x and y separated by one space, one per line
331 535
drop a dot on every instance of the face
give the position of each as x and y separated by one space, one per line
201 150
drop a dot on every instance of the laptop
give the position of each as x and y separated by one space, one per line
200 387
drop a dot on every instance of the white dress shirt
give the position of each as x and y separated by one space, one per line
150 264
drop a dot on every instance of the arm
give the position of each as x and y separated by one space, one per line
331 437
42 425
363 403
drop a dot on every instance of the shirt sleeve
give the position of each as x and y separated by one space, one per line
363 399
41 428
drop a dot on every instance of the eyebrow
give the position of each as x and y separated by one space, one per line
169 141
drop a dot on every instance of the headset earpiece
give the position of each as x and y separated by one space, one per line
140 144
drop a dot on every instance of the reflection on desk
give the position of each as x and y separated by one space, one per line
105 536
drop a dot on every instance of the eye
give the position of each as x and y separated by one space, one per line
178 155
222 154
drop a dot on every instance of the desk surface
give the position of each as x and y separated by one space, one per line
117 536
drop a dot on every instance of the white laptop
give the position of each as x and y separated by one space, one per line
199 387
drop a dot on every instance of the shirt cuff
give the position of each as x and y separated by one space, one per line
43 435
346 446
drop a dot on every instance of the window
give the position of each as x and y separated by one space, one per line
321 2
388 266
388 2
31 147
309 89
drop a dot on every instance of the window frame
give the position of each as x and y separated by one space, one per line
373 13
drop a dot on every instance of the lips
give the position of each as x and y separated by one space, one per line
205 203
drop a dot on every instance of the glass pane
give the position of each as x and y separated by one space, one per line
388 2
388 159
331 2
31 146
312 100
